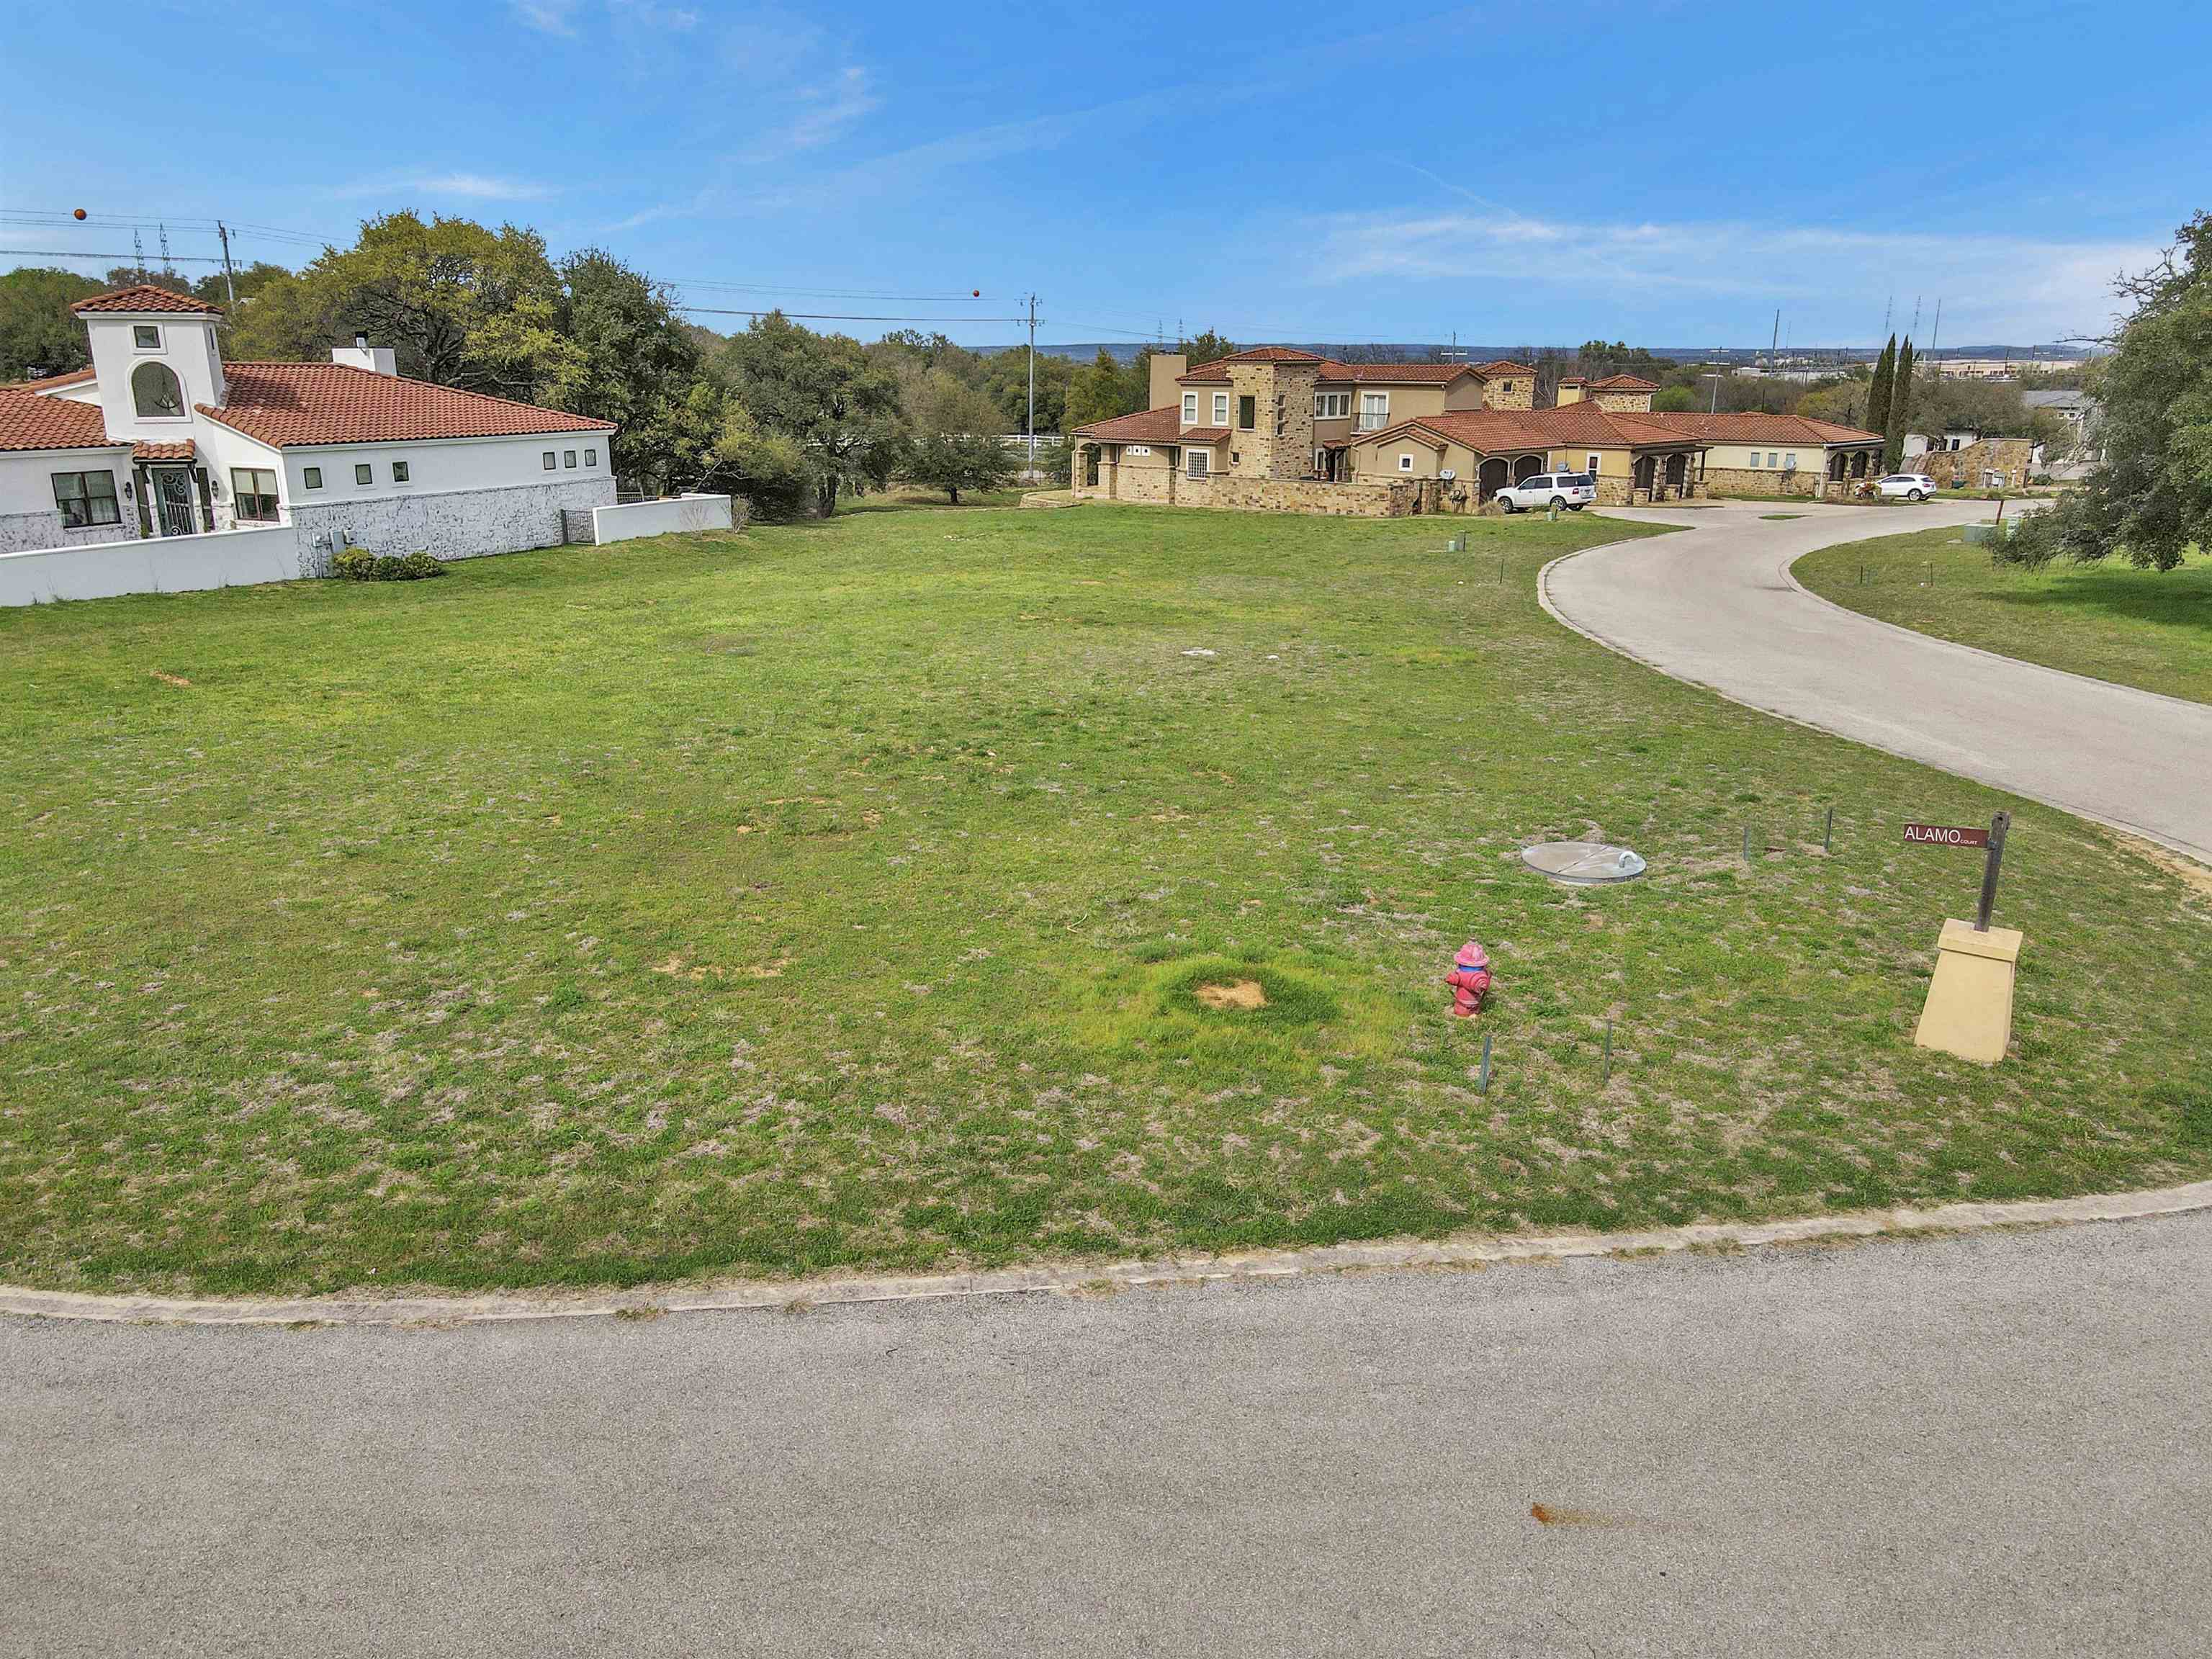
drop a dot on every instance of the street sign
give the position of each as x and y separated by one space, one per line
1952 835
1945 834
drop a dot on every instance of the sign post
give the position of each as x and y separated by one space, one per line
1969 1007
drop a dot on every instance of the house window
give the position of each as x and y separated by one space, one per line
567 457
1592 468
1221 409
312 477
1754 457
1374 410
146 337
1405 463
1190 408
591 458
548 461
399 472
1772 458
86 498
154 388
1506 387
1321 463
1247 414
363 473
1789 463
1199 462
253 495
1332 405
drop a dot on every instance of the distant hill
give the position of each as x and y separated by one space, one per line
1417 351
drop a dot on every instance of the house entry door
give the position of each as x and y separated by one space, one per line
173 497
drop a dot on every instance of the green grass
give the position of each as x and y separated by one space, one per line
2145 628
841 894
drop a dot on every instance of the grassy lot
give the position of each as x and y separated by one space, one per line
2143 628
854 894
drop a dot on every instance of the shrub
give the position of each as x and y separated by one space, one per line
358 564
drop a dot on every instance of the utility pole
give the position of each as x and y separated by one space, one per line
1032 426
1773 346
229 288
1937 336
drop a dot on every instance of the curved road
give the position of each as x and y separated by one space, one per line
1716 606
1993 1444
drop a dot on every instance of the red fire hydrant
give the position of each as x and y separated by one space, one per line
1470 978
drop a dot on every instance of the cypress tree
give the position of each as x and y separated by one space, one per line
1900 410
1885 368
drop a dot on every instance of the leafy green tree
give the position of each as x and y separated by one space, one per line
1900 410
1843 402
631 362
1674 400
460 305
1007 378
2151 497
956 444
772 470
821 391
1101 389
1208 346
1878 391
37 330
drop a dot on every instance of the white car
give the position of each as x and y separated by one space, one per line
1909 486
1573 490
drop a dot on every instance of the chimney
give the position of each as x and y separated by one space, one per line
1168 366
377 359
1570 391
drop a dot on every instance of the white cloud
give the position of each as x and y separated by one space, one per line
827 110
645 13
552 16
472 186
1831 282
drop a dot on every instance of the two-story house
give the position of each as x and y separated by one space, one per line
162 437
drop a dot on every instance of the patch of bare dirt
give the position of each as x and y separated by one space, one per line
1240 994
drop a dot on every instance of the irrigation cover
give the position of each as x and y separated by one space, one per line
1583 863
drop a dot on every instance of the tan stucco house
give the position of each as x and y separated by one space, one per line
1278 428
1286 429
1749 453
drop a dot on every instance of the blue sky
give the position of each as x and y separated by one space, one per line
1660 172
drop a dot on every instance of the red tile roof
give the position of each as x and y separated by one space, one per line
52 382
1204 434
144 296
1334 372
296 404
1149 426
1491 371
147 450
1623 383
1488 431
1750 427
28 421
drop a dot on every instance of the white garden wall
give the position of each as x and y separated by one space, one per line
635 519
173 564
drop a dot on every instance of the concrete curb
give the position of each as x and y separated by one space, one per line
1080 1279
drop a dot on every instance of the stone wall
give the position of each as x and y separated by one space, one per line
460 524
1764 481
1625 403
1963 468
1521 395
23 532
1393 499
1280 445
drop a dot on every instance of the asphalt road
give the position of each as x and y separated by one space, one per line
1989 1444
1716 606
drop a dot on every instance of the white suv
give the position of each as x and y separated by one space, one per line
1573 490
1912 486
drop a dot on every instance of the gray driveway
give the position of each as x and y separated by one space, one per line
1989 1444
1716 606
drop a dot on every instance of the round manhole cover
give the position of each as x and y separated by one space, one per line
1583 863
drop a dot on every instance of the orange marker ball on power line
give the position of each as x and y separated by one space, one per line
80 213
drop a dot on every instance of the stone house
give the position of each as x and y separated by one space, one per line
1985 464
1624 394
1280 428
1750 454
162 437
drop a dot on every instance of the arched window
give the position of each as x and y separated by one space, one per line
155 387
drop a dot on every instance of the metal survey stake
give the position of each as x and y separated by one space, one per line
1999 823
1482 1078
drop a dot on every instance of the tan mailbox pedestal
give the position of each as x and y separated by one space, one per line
1969 1008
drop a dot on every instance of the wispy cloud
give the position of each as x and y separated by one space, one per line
650 15
826 111
550 16
470 186
2012 286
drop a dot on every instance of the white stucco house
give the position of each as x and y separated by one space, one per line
161 438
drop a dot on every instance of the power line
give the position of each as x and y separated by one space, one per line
126 258
832 316
826 293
